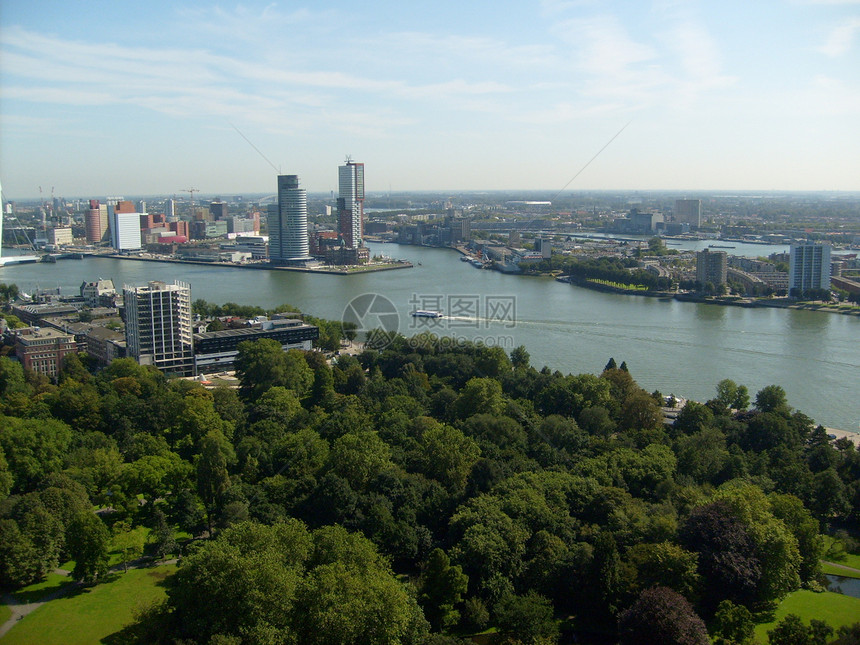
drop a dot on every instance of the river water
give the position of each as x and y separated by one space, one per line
679 348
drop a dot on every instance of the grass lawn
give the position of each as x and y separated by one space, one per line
836 571
833 608
93 613
848 559
38 590
5 613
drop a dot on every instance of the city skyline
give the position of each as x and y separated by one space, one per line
131 99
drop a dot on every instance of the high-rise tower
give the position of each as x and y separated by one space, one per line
350 203
288 223
158 326
809 268
689 210
711 266
96 222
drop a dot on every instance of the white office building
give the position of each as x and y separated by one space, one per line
125 230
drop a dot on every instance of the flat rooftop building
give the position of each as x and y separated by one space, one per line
43 349
215 351
158 326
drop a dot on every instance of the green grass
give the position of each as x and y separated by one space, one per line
833 608
93 613
38 590
836 571
848 559
5 614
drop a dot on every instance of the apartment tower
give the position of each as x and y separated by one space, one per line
350 203
808 267
158 326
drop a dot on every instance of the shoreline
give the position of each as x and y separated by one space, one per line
853 437
356 269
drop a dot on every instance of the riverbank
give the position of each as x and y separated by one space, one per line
330 270
725 301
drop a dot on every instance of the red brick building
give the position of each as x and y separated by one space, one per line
43 349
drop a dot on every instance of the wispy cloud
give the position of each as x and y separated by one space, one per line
841 39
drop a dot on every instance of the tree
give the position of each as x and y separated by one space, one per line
791 631
441 588
480 396
640 412
448 455
262 364
733 624
33 448
359 457
162 535
693 417
804 527
520 358
128 541
664 565
12 379
726 562
212 476
527 618
88 542
663 616
772 399
283 584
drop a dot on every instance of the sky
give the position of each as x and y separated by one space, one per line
136 98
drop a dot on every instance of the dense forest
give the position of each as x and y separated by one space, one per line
419 492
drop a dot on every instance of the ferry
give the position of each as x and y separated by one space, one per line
465 258
423 313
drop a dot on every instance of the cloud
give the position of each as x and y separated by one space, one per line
841 38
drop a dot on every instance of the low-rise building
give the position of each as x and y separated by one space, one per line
105 345
215 351
43 349
98 293
60 236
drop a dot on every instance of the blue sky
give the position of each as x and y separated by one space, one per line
128 98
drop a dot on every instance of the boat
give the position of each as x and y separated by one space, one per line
478 263
423 313
464 258
720 246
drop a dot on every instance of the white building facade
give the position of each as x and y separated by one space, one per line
125 230
350 203
158 326
288 223
809 267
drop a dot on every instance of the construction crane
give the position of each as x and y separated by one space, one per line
192 191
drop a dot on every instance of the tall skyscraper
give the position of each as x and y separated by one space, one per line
288 223
96 222
170 210
808 267
711 266
158 326
350 203
689 210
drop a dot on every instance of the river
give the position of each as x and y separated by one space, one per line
675 347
